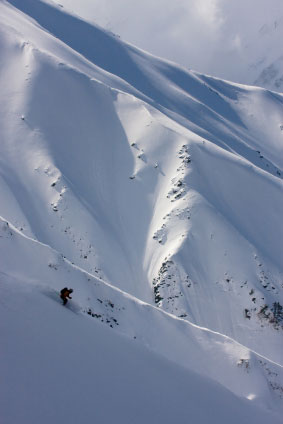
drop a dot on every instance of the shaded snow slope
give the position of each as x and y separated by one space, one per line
210 355
238 41
163 183
61 376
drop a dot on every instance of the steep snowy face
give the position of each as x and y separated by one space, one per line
230 39
145 350
119 168
168 188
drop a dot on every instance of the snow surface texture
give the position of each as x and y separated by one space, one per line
155 193
233 39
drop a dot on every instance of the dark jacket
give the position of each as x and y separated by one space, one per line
65 293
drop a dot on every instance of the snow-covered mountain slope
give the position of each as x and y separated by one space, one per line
29 292
139 184
234 40
47 383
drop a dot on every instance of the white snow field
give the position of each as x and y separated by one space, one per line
156 194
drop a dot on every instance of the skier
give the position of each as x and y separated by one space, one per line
65 294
